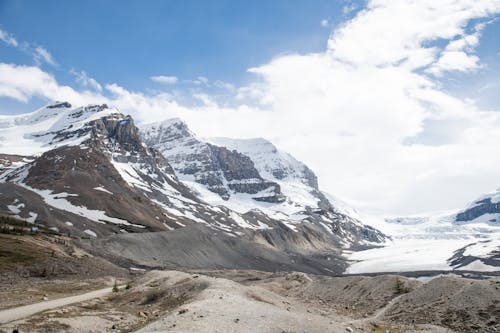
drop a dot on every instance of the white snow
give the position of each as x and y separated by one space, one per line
244 224
68 223
32 217
494 196
90 233
137 269
479 266
482 248
16 209
297 183
102 189
35 133
167 226
57 200
130 175
405 256
424 243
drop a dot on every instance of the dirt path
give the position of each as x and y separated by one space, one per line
377 315
12 314
226 306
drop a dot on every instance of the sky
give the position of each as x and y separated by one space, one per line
393 104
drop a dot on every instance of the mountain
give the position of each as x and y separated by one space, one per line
463 240
90 173
484 254
485 209
219 169
253 175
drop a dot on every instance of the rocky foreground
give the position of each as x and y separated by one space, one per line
253 301
40 268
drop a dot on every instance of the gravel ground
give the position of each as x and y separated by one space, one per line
253 301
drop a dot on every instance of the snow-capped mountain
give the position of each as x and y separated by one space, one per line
220 170
468 239
53 126
277 184
483 214
485 209
87 172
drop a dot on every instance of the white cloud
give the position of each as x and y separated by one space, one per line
8 38
23 82
86 81
459 54
325 23
365 114
224 85
454 61
200 80
389 32
41 54
164 79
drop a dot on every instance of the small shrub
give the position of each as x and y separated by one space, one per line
399 287
128 286
115 287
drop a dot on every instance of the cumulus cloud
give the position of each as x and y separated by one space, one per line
325 23
459 54
164 79
390 32
367 114
24 82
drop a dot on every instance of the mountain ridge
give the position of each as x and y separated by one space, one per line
89 174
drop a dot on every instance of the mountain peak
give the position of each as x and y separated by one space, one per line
54 125
167 130
58 105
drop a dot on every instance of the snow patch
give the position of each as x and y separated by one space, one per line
102 189
478 266
57 200
90 233
16 209
482 249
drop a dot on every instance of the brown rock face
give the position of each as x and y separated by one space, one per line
223 171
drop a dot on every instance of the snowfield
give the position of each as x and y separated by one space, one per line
405 256
426 243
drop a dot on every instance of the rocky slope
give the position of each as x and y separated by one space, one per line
485 209
484 254
267 180
220 170
87 172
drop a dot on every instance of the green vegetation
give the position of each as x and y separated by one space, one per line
13 226
400 287
115 287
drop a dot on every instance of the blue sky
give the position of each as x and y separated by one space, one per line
387 101
128 41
